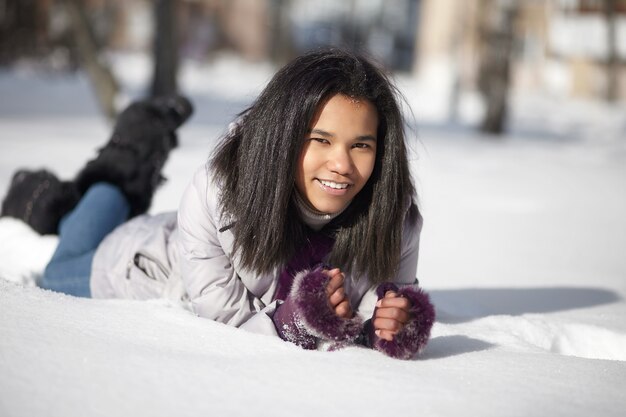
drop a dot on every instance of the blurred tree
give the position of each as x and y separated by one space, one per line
99 72
496 36
21 24
281 47
610 14
165 48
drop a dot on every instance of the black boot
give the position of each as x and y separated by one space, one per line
143 136
39 199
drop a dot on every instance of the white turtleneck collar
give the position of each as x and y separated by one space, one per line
316 220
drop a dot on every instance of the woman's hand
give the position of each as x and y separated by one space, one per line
337 295
391 315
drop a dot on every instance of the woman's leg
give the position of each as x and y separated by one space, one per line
101 209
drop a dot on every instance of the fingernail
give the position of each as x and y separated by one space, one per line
377 332
379 303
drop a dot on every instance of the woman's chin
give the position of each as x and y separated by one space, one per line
330 208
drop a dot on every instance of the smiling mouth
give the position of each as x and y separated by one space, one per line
334 185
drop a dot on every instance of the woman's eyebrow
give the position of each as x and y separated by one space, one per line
367 137
330 135
321 132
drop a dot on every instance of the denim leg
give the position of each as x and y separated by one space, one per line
101 209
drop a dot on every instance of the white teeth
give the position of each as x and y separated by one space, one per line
334 185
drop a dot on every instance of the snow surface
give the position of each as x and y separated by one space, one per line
522 253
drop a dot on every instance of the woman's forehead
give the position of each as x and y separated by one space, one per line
351 116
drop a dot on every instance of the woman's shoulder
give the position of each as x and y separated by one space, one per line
201 200
205 179
203 187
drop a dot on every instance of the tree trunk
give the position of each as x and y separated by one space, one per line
99 73
495 65
281 50
22 24
612 64
165 49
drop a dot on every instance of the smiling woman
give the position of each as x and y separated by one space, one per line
303 224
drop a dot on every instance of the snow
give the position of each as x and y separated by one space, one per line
522 252
23 263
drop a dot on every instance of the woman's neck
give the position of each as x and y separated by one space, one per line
316 220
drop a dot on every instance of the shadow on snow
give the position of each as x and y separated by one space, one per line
461 305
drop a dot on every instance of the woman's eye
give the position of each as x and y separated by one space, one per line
361 145
320 140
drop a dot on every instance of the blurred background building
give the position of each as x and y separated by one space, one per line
570 48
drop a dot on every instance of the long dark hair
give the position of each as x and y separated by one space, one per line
256 165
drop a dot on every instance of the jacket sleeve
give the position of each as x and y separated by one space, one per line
210 280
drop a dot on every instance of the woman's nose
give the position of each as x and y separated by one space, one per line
340 161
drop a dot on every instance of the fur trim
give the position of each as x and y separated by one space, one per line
291 329
330 346
311 303
382 289
414 336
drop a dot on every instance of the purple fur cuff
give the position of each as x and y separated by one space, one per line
382 289
310 301
290 328
414 336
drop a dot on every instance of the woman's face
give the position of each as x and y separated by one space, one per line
339 153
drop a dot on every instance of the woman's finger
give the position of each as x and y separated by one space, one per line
344 310
332 272
390 325
336 281
338 296
384 334
393 313
397 302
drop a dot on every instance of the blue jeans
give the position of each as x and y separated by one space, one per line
101 209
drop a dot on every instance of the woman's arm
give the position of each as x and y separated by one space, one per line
402 315
213 286
407 269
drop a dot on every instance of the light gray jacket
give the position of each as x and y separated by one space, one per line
189 259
